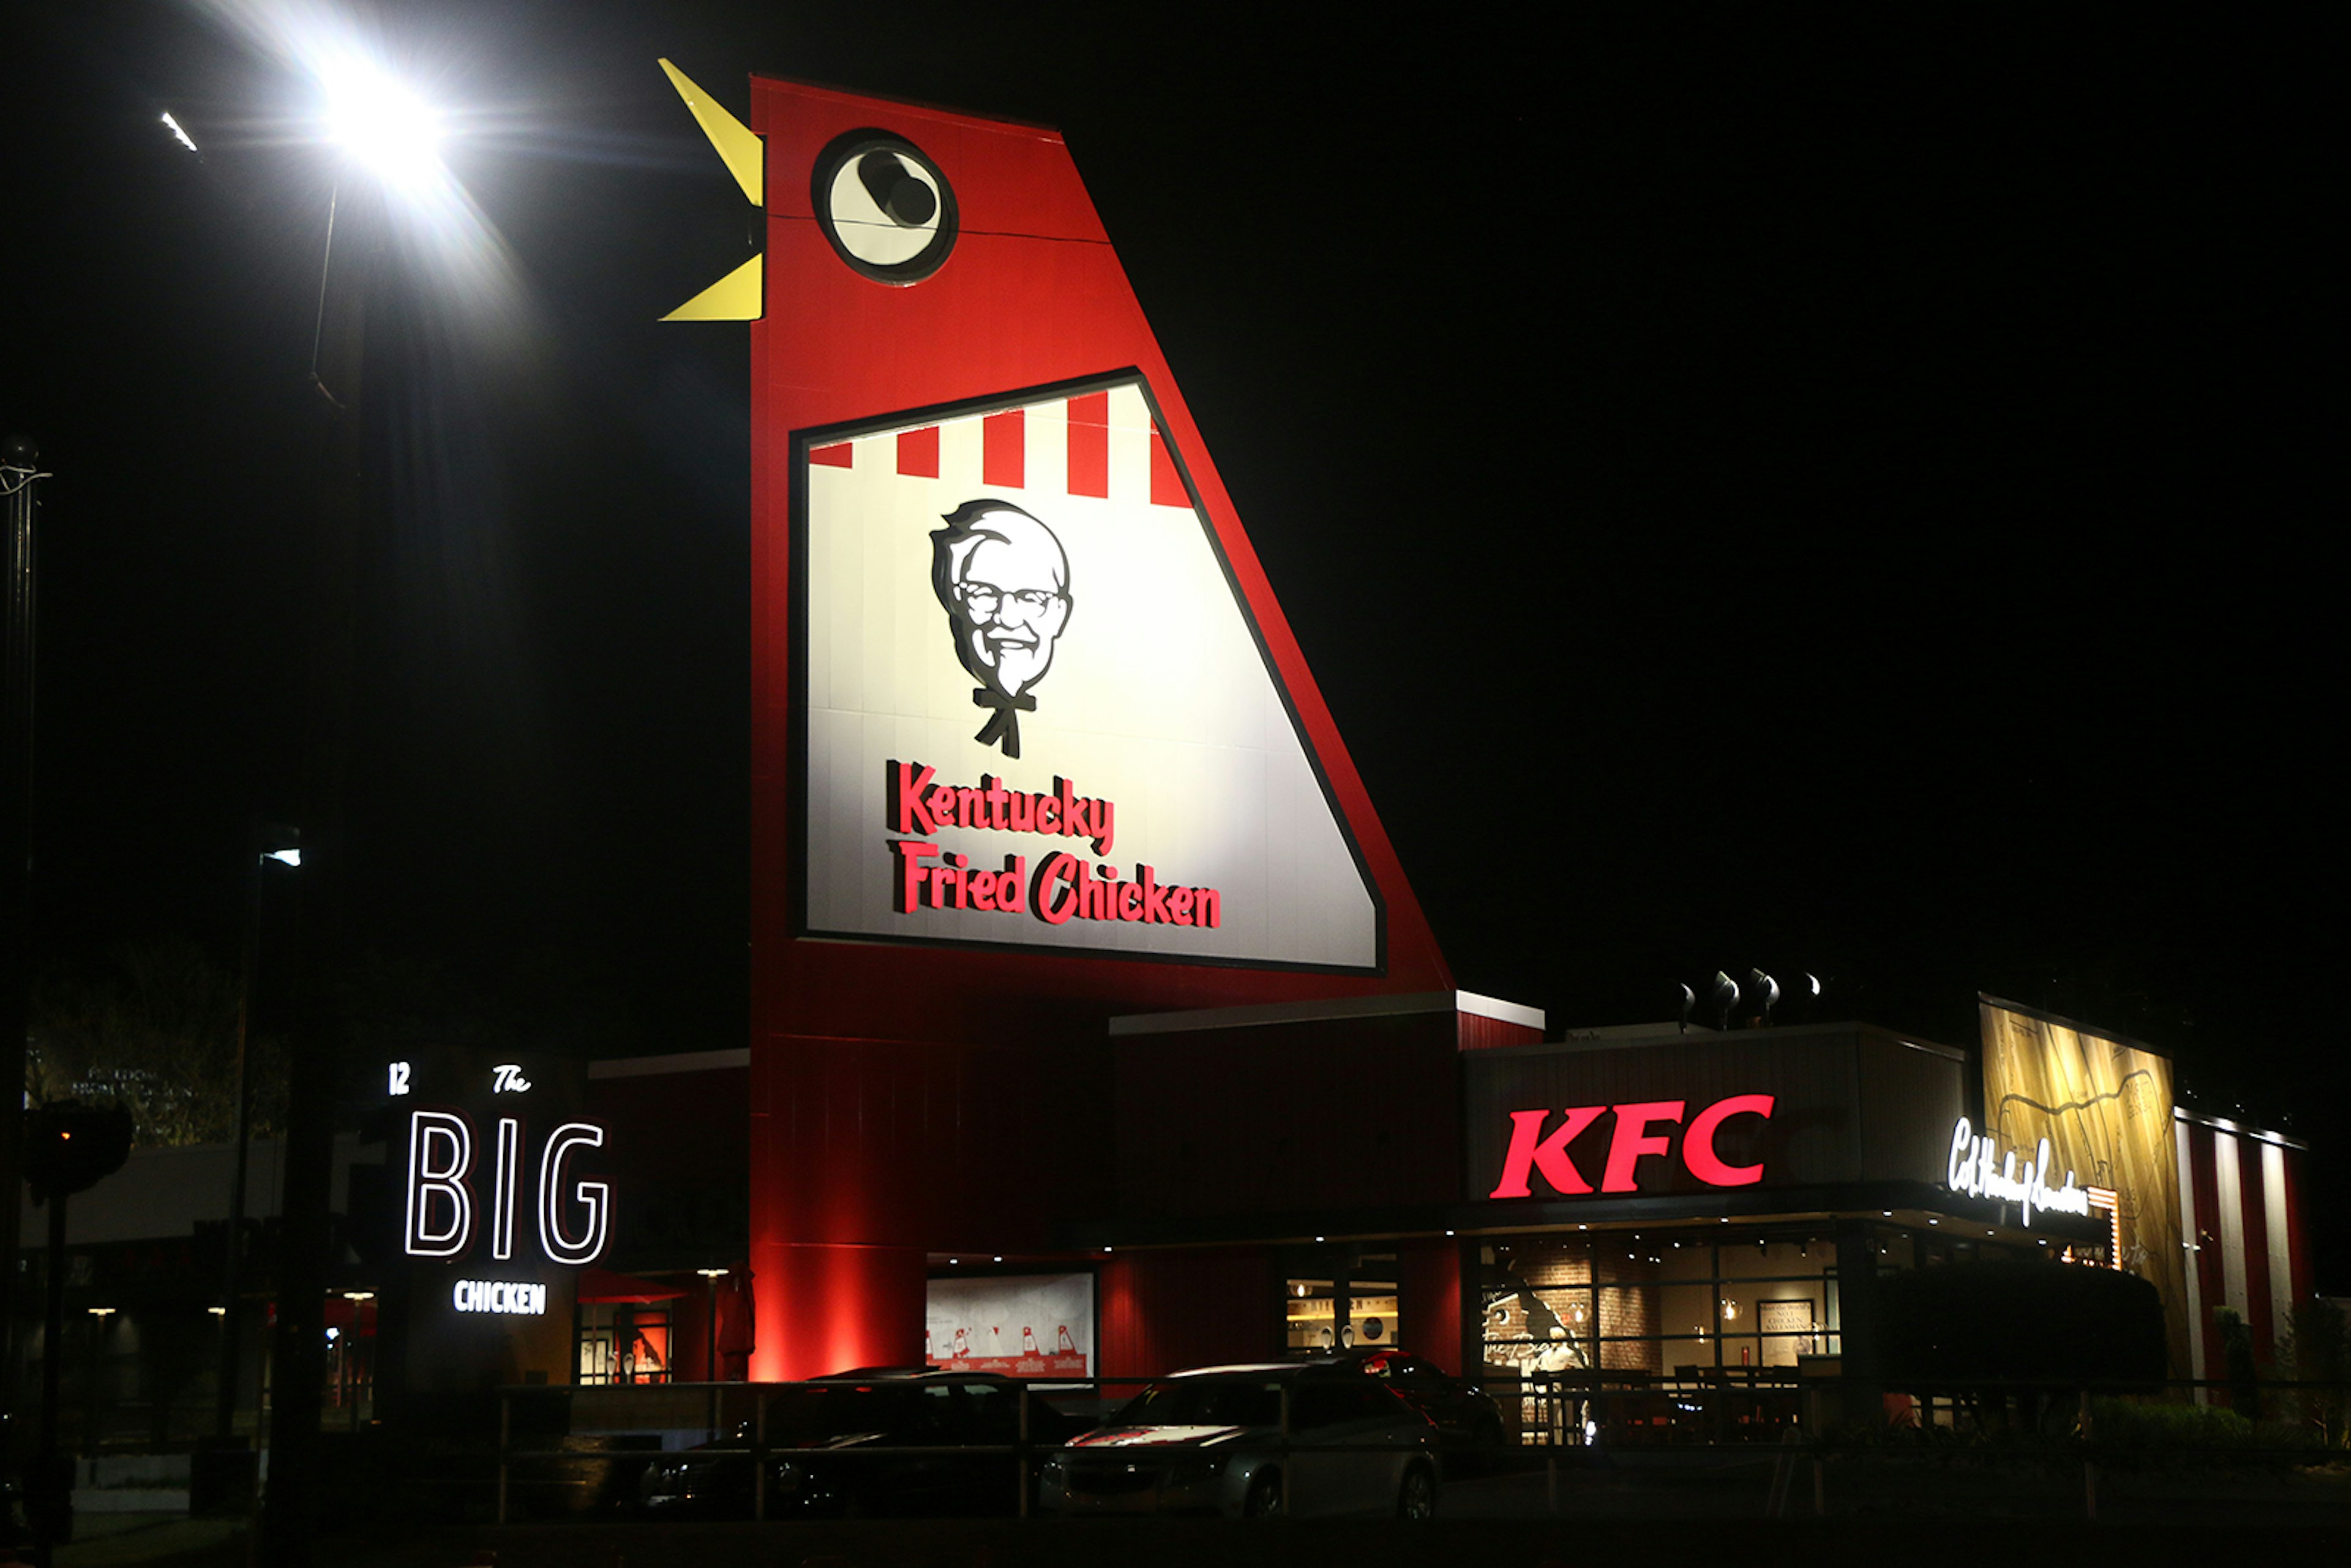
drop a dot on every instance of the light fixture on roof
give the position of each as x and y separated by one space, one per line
1765 987
1726 997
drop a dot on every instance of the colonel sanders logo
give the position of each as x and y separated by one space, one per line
1004 580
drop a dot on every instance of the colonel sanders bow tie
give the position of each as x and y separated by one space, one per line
1003 726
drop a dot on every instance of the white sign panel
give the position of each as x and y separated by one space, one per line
1022 1325
1036 714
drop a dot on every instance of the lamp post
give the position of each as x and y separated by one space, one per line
710 1277
19 474
388 138
272 844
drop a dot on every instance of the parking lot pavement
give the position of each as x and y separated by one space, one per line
125 1540
1631 1510
1360 1543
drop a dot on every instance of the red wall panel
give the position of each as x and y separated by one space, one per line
1162 1311
1480 1033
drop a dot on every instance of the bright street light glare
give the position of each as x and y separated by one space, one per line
175 130
284 857
384 126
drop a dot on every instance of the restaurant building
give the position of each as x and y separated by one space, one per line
1095 1030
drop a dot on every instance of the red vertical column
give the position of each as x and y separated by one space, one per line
2297 1234
2252 1194
835 1281
1429 1288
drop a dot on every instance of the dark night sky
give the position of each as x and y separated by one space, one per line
1754 490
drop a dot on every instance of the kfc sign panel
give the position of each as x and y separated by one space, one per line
1638 1149
1036 713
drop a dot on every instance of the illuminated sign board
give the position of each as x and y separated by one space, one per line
2103 1106
511 1298
1036 712
1979 1169
1644 1130
572 1225
1020 1325
496 1186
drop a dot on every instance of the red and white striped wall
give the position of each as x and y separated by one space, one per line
1101 445
2247 1247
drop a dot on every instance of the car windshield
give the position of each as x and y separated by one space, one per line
1206 1402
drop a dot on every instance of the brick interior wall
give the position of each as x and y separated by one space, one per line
1563 1275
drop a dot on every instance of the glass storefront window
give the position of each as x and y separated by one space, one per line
1635 1330
1313 1322
623 1344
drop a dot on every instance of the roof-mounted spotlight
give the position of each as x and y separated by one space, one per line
1726 997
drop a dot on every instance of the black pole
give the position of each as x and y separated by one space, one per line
297 1354
51 1492
233 1242
19 460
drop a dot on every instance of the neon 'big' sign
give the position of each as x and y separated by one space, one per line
441 1197
1532 1151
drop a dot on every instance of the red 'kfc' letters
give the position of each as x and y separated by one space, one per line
1533 1151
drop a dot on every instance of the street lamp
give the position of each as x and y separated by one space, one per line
389 139
381 122
20 469
271 843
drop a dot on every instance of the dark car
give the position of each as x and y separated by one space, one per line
867 1443
1279 1437
1465 1416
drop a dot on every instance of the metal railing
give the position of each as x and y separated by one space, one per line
1789 1435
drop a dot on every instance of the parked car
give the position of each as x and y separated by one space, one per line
831 1450
1464 1414
1215 1441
